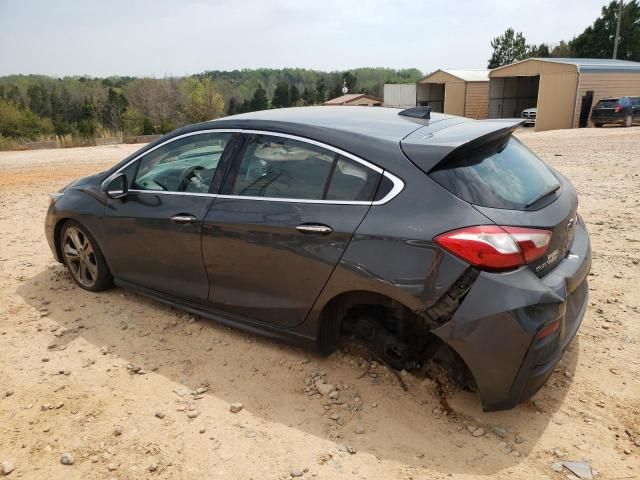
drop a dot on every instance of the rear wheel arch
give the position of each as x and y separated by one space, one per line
335 310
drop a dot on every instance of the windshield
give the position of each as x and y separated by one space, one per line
502 174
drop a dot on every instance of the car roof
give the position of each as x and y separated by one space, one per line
381 123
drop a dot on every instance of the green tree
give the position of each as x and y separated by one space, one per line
113 110
147 126
245 106
232 107
16 122
597 40
540 51
259 100
508 48
280 97
201 100
294 97
39 100
321 91
88 124
562 50
308 97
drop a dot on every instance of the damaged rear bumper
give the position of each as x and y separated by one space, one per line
496 326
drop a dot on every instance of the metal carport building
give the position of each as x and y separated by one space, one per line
455 92
564 90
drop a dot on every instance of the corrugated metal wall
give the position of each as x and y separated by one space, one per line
477 100
531 68
431 94
454 98
400 95
605 85
556 100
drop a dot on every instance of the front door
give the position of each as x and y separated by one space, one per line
288 211
154 232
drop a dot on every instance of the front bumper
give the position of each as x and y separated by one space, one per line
494 329
49 230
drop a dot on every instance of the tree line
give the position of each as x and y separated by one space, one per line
596 41
35 105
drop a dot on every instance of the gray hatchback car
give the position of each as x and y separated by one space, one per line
428 236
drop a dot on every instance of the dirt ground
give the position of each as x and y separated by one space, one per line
68 363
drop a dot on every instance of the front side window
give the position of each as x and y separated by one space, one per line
184 165
277 167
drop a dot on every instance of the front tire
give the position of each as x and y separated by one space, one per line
597 125
628 120
83 258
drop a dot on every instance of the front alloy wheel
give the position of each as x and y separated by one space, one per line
628 120
84 259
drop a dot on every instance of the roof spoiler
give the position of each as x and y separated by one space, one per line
417 112
427 148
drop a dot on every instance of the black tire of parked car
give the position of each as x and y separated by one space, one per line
83 258
597 125
628 120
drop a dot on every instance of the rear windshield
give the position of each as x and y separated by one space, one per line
610 102
501 174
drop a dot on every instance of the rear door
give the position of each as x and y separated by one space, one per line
287 213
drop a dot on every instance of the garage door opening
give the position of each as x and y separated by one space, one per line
431 94
509 96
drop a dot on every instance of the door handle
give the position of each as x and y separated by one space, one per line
183 219
314 228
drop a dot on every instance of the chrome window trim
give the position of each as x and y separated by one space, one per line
398 183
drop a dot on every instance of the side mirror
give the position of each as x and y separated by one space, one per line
118 187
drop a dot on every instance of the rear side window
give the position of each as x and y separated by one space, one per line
502 174
278 167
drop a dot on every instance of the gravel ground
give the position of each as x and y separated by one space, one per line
118 386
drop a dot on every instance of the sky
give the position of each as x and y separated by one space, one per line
179 37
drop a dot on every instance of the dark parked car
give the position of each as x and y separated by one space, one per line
436 238
623 111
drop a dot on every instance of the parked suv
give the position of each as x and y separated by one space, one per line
623 110
425 236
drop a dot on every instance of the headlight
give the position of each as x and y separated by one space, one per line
53 198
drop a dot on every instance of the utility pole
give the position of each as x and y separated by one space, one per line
617 40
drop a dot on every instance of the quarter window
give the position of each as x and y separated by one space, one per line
352 181
277 167
184 165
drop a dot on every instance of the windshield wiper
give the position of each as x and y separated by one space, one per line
552 189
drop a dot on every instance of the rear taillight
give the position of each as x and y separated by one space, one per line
496 248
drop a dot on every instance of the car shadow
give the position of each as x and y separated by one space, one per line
268 377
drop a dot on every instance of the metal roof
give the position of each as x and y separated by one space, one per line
590 65
470 75
350 97
465 75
